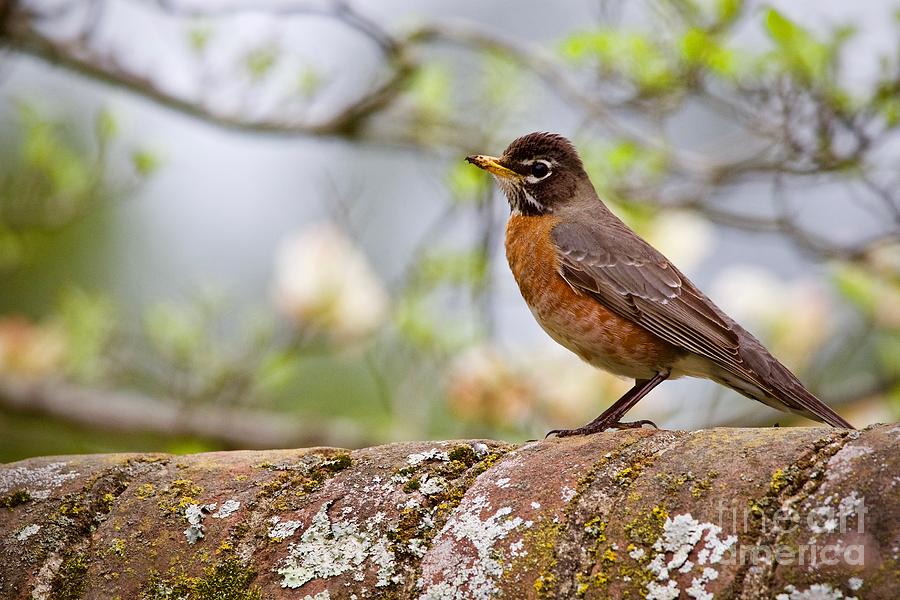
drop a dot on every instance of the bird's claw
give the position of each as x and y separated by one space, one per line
598 427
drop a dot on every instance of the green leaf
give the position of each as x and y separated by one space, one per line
888 347
889 108
798 50
634 56
728 10
145 162
700 49
857 286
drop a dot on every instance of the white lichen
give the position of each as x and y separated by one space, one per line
420 457
194 514
38 481
656 591
682 536
432 485
416 547
324 595
817 591
464 575
854 583
329 548
283 529
27 531
567 494
228 508
841 463
480 449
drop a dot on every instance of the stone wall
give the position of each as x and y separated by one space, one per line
792 514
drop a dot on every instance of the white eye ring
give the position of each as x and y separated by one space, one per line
536 174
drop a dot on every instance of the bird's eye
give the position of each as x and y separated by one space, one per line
540 170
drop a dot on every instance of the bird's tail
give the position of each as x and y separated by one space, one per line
773 384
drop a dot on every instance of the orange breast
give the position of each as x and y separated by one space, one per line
575 320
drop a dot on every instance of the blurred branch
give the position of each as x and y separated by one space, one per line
128 412
23 36
335 9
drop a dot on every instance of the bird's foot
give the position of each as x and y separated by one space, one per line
600 426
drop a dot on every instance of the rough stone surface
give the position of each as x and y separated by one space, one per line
790 514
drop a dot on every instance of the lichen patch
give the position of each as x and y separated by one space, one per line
228 508
330 548
282 529
817 591
681 538
27 531
841 463
464 574
38 481
194 513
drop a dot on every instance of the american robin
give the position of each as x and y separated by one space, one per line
611 298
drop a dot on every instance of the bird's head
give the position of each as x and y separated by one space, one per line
538 172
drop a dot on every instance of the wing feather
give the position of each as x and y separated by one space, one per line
638 283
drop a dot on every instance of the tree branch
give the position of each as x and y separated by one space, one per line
129 412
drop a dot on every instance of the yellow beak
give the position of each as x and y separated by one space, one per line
492 165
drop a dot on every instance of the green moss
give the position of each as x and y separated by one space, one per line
407 528
79 513
647 527
610 565
412 485
180 494
304 479
15 498
70 581
487 462
338 462
226 580
463 453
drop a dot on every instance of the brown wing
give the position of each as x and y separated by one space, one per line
635 281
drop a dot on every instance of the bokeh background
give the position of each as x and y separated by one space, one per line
235 223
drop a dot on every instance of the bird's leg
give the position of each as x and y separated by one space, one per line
612 416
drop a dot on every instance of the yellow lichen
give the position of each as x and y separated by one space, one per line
779 481
144 491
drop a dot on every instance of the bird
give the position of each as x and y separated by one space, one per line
600 290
